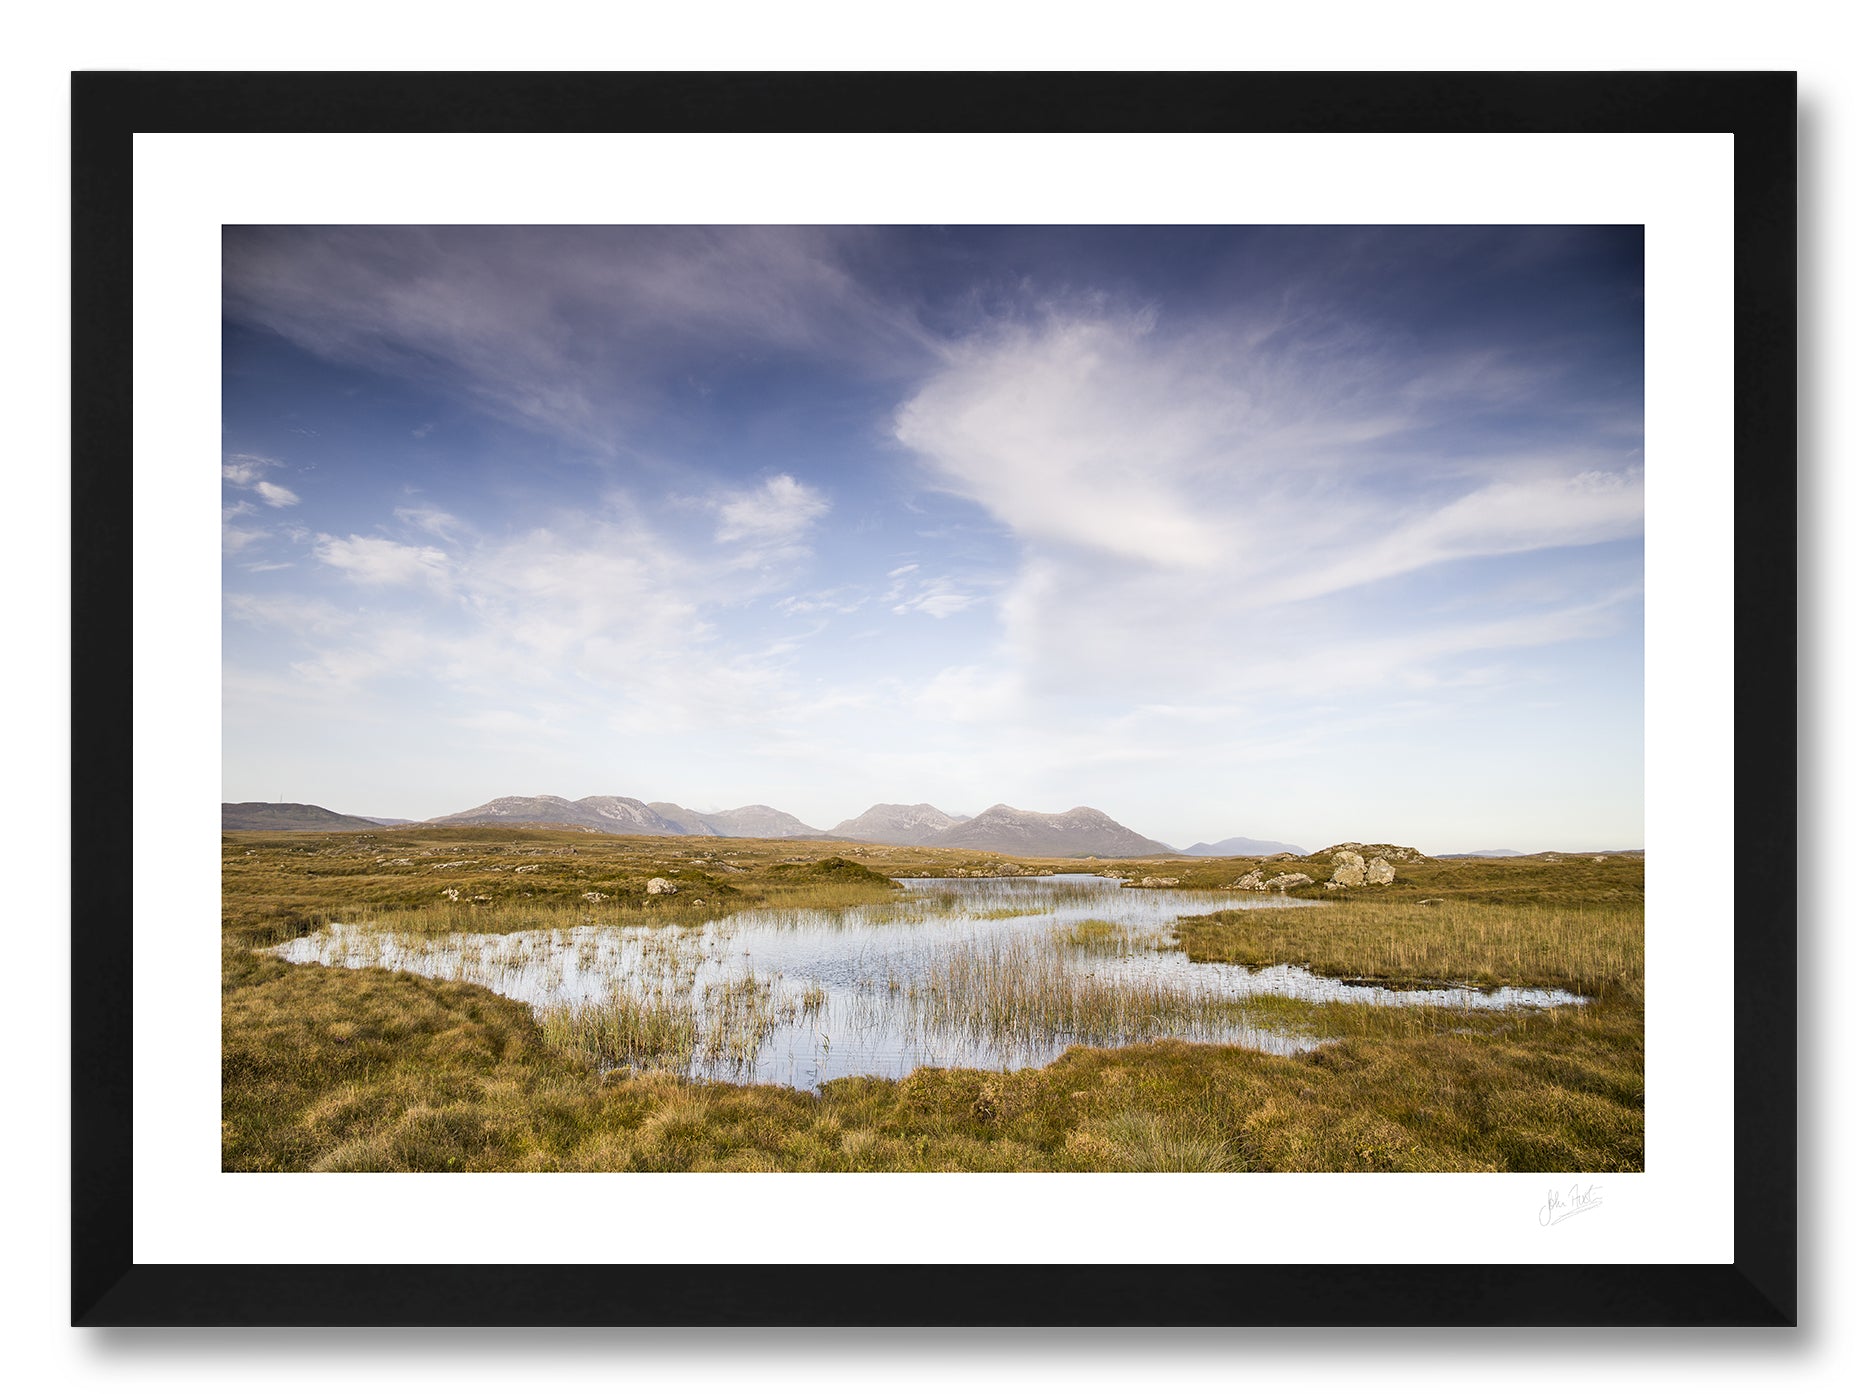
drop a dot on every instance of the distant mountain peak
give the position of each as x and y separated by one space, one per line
1079 832
900 824
1243 847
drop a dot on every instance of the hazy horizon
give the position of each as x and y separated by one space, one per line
1300 534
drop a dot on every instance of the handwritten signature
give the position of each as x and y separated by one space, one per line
1579 1199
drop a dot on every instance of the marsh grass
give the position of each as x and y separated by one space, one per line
739 1015
1026 992
1588 949
376 1070
643 1032
1108 938
328 1069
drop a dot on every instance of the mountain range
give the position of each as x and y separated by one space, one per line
1079 832
1243 847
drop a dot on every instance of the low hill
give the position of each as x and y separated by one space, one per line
288 817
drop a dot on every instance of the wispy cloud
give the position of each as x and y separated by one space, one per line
778 512
380 561
565 329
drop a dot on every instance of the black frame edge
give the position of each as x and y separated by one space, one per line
1758 1289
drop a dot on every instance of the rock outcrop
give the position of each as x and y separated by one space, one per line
1349 869
1288 881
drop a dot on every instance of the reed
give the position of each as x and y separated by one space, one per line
1027 992
645 1032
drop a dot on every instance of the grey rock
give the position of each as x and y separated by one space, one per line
1349 869
1288 881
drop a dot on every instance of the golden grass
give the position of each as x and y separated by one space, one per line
1109 938
337 1069
1583 948
330 1069
637 1031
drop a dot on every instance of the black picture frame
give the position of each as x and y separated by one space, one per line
1757 1289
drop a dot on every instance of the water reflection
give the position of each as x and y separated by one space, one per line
998 973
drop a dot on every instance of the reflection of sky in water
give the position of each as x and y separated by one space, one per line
867 959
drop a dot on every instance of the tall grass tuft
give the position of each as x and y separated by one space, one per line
1024 991
643 1032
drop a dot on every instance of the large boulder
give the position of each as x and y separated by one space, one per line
1379 872
1249 881
1349 869
657 885
1288 881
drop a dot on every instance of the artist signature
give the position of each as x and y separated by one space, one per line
1578 1200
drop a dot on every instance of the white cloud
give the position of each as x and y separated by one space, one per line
1074 434
245 470
564 328
779 511
433 520
275 494
378 561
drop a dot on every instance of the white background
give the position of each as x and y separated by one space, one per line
1679 187
540 35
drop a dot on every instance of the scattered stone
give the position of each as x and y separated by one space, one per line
1600 859
1379 872
533 866
482 899
1159 880
594 896
1250 881
657 885
452 893
1430 902
1288 881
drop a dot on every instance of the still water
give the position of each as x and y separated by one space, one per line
996 973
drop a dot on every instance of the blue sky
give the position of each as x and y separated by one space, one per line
1300 533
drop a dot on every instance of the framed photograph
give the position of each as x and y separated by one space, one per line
1143 699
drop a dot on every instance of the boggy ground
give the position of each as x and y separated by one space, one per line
335 1069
